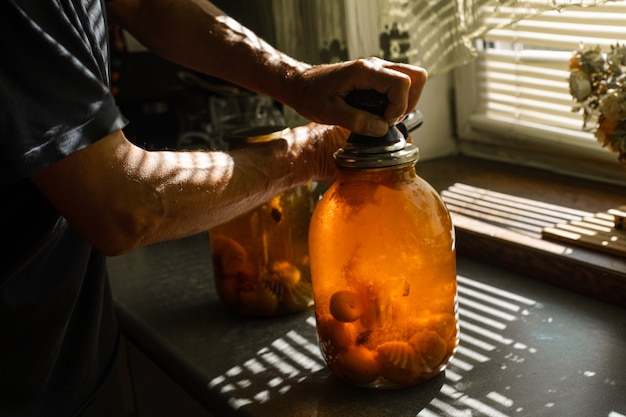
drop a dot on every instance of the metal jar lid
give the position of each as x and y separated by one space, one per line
376 154
366 152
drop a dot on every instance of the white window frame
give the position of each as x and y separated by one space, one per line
559 150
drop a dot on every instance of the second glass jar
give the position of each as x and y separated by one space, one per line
261 258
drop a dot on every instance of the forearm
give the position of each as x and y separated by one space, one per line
121 197
198 35
194 191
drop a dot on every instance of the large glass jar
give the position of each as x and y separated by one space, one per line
261 258
383 268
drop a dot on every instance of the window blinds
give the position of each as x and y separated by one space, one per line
522 70
513 102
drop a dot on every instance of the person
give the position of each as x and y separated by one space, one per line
76 190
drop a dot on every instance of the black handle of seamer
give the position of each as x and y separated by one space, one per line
376 103
368 100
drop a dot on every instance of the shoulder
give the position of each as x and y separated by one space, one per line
54 91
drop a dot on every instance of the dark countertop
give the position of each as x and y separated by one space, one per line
527 348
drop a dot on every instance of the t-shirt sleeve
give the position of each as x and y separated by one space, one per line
54 83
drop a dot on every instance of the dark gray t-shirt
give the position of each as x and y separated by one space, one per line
58 333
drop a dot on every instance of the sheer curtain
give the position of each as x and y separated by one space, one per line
435 34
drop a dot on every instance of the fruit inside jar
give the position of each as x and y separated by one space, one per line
261 259
384 278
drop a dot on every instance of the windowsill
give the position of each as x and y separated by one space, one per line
586 271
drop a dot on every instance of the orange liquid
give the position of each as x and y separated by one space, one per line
383 270
261 259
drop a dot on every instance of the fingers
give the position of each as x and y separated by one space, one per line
315 144
404 100
401 83
320 95
361 121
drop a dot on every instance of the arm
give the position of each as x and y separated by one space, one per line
120 196
196 34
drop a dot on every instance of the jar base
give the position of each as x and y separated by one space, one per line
383 384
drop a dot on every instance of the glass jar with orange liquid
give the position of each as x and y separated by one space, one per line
261 258
383 268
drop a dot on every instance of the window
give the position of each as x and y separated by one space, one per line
513 102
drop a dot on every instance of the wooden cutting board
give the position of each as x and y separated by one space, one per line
601 231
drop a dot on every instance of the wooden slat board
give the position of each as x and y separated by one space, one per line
511 212
595 232
540 220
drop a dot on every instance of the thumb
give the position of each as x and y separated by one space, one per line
362 122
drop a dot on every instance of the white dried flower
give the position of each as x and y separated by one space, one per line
579 85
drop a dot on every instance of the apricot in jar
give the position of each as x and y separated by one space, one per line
399 363
346 306
359 365
431 347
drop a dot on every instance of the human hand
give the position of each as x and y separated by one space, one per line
320 91
312 148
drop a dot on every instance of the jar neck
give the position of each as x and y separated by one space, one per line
375 154
396 172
